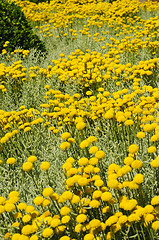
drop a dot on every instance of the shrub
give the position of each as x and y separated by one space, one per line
15 28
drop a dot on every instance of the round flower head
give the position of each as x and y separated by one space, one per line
155 200
27 166
80 125
155 163
155 225
129 122
32 159
81 218
22 206
140 135
65 210
136 164
26 218
138 178
55 222
9 207
151 149
47 232
11 161
100 154
38 200
133 148
98 183
67 195
65 238
65 219
93 161
47 192
89 236
95 223
93 149
65 135
15 236
2 200
94 204
13 194
34 237
27 229
83 161
45 166
106 196
82 181
65 145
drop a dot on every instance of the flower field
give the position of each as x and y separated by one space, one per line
79 126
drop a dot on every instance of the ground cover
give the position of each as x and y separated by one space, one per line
79 128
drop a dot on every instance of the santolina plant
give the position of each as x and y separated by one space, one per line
79 131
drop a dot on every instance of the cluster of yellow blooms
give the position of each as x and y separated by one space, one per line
90 207
97 110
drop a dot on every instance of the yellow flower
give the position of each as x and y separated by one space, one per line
95 223
151 149
27 129
136 164
149 218
11 160
155 225
78 228
22 206
65 145
94 204
129 122
140 135
80 125
9 207
113 183
83 161
81 218
38 200
26 218
82 181
32 159
45 166
100 154
98 183
111 220
93 161
47 192
138 178
27 166
34 237
65 210
15 236
65 135
67 195
155 163
55 222
47 232
7 235
106 196
65 219
133 148
27 229
89 236
65 238
93 149
155 200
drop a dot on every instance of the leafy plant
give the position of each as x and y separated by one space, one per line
15 28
